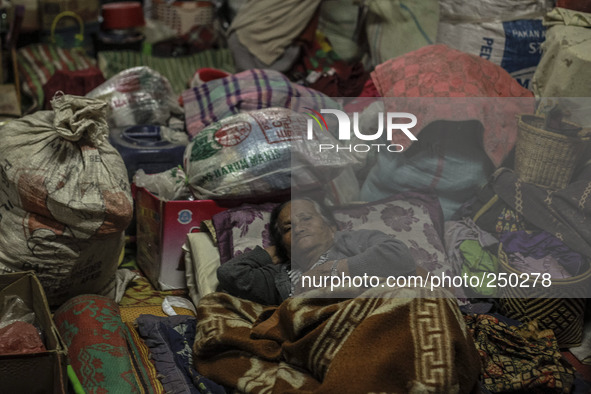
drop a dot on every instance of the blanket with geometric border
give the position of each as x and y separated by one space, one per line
397 341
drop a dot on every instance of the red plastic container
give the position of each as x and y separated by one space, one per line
122 15
577 5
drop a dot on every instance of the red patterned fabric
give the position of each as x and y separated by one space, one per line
440 71
91 328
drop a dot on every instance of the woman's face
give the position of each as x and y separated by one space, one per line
304 231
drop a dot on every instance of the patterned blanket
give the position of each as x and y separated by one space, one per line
457 79
524 359
37 63
399 341
246 91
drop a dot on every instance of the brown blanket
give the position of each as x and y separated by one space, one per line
396 342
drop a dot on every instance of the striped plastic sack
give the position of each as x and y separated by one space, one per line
39 62
249 90
178 70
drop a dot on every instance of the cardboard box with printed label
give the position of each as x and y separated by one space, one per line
42 372
162 228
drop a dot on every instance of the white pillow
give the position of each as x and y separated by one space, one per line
202 260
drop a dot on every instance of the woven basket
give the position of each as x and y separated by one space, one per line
565 316
546 158
182 16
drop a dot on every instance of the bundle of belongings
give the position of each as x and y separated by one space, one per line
136 185
66 197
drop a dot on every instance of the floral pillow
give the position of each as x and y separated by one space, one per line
414 218
241 229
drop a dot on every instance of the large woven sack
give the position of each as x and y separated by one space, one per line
395 27
259 154
564 69
505 32
65 199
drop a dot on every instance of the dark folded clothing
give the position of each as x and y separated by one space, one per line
170 340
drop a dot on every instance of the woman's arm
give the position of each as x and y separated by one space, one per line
374 253
252 275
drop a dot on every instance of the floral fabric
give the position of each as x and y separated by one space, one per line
414 218
240 229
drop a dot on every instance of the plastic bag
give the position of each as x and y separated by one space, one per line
15 309
260 154
167 185
18 331
138 96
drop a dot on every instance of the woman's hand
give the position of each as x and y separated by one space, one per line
272 251
340 266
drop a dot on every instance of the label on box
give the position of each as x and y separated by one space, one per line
185 216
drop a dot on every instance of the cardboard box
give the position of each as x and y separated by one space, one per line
43 372
162 228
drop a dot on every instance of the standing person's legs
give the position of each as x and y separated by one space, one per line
244 60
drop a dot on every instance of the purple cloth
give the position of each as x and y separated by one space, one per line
538 245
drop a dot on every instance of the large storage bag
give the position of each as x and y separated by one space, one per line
397 27
65 200
507 33
260 154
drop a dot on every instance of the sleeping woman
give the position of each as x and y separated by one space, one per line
306 242
415 339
